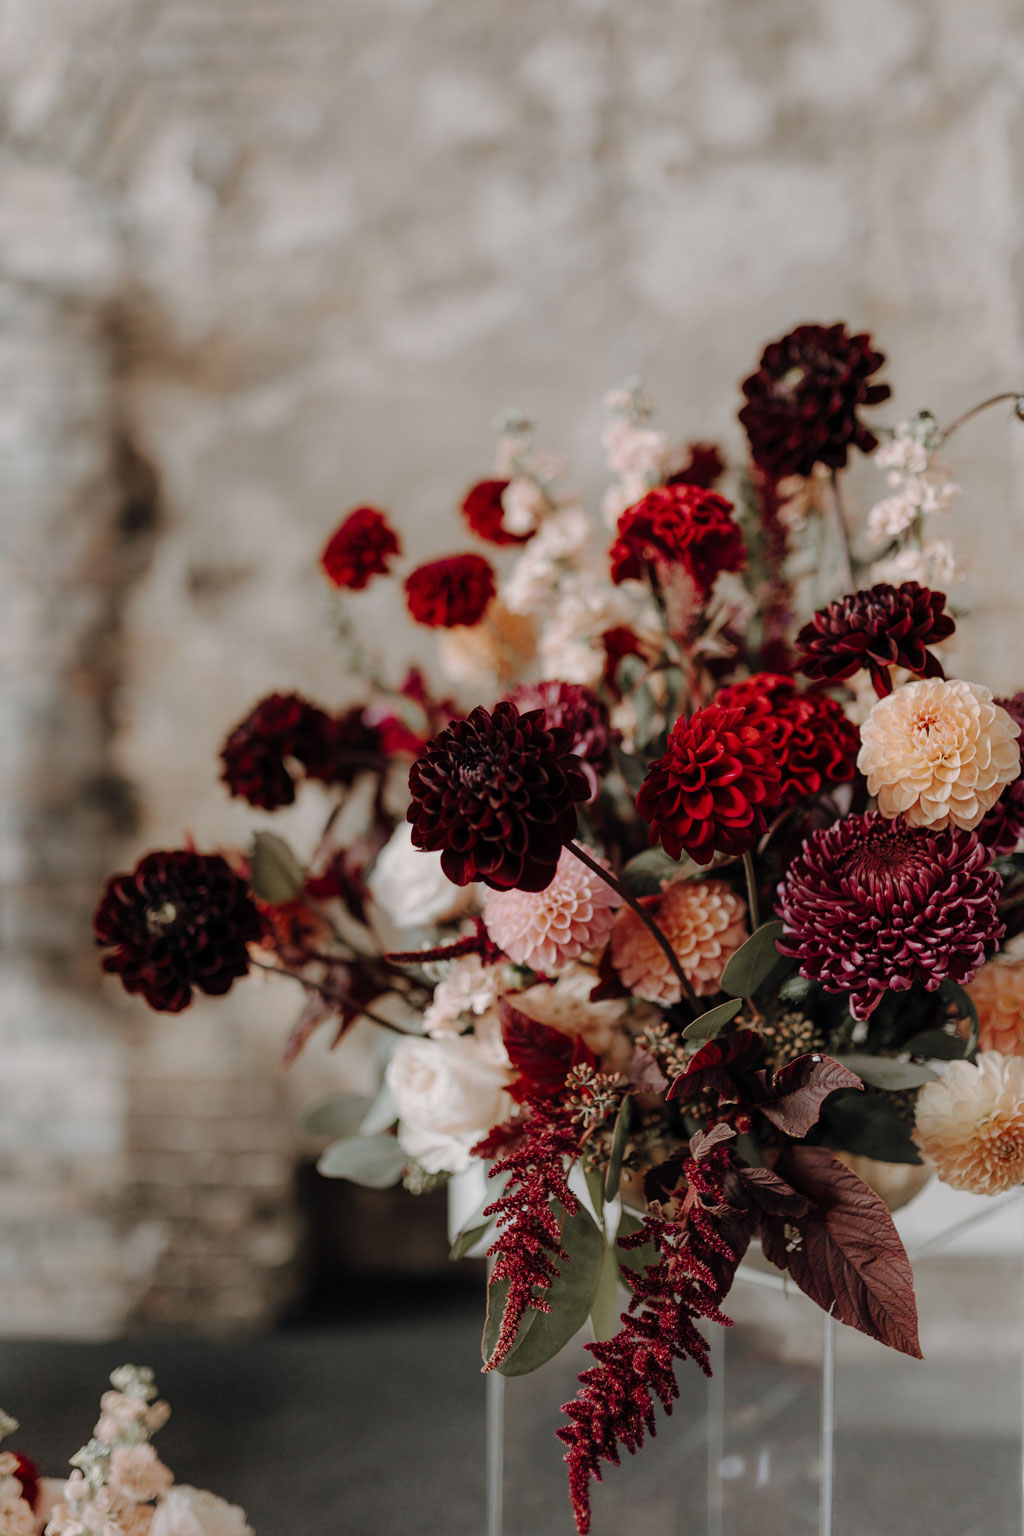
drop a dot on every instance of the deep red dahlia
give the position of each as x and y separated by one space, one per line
679 526
179 920
494 795
704 466
709 791
455 590
578 710
881 628
802 402
485 514
872 905
360 548
811 739
1003 828
281 727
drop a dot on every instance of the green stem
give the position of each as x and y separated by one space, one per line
975 410
332 996
752 902
842 532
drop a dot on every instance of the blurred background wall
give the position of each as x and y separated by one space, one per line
261 260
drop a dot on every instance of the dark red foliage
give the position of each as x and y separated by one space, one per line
577 709
543 1057
678 527
803 400
704 466
881 628
454 590
709 790
477 943
180 920
485 514
494 795
732 1068
1003 827
813 742
359 549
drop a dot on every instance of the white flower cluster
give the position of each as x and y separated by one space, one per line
922 487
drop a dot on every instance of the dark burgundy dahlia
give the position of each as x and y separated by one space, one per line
450 591
880 628
802 402
709 790
813 742
483 510
678 526
494 795
359 549
1003 828
871 906
283 728
179 920
578 710
704 466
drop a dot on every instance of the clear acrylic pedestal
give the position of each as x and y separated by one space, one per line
808 1428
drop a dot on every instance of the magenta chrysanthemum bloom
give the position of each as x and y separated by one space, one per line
881 628
577 709
180 920
871 906
548 929
495 795
1002 829
709 790
803 400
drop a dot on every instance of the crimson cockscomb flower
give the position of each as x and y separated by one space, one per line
878 629
484 512
495 795
180 920
803 400
678 526
813 742
450 591
359 549
709 790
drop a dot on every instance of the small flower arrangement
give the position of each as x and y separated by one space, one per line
694 881
119 1486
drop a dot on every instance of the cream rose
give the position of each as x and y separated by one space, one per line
189 1511
448 1094
411 888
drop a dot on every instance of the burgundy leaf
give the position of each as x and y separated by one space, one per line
703 1142
794 1095
769 1193
721 1066
542 1056
845 1253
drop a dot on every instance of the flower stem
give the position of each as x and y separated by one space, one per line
1008 394
752 903
644 916
344 998
842 532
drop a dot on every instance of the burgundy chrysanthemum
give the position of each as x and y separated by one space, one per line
1003 828
811 739
578 710
802 402
704 466
454 590
709 791
285 729
360 548
681 526
494 795
179 920
483 510
880 628
871 905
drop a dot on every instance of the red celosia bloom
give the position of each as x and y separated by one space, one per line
872 905
577 709
484 513
802 402
704 466
180 920
881 628
27 1474
813 742
1003 828
455 590
681 526
618 642
709 791
494 795
359 549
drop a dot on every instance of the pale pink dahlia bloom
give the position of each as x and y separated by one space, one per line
997 992
548 929
704 921
970 1123
939 753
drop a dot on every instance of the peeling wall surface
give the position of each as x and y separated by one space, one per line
260 261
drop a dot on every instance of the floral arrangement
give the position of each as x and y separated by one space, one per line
119 1485
685 899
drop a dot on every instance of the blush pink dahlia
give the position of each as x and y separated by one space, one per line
547 930
970 1124
997 993
871 906
703 920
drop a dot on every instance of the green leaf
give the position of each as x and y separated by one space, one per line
712 1023
497 1295
382 1113
635 1259
604 1311
376 1161
613 1173
965 1006
644 873
753 962
476 1224
468 1238
936 1044
883 1072
275 875
595 1188
571 1297
340 1115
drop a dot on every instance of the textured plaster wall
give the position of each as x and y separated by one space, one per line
261 260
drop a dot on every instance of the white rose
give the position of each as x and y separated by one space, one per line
410 886
189 1511
448 1094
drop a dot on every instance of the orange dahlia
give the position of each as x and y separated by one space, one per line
970 1124
704 921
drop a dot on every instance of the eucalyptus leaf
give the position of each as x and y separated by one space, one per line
276 875
753 962
571 1296
382 1113
604 1312
645 872
883 1072
468 1239
613 1173
497 1295
965 1006
376 1161
595 1188
342 1114
712 1023
937 1045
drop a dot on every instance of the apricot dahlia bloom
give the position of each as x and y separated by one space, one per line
704 921
547 929
939 753
970 1124
997 992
